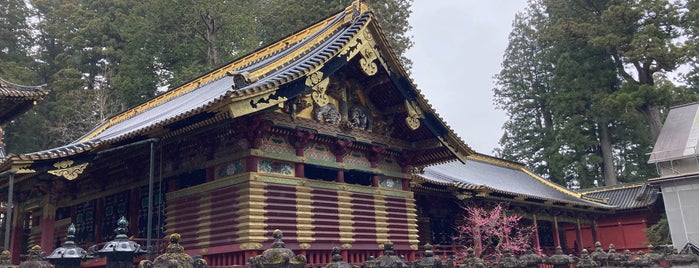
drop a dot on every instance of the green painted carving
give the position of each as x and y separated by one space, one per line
277 167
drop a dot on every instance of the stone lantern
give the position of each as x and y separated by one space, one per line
429 261
278 256
586 261
530 259
615 259
388 260
338 262
69 255
599 255
473 261
35 259
560 260
121 251
174 256
508 260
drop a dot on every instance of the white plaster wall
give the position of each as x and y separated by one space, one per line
681 198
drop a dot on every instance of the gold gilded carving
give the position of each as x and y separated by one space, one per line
68 172
305 245
413 246
414 115
314 78
413 122
358 44
347 246
363 44
367 63
318 95
462 196
63 164
25 171
319 85
247 246
256 152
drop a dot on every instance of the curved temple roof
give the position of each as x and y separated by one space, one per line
489 175
258 76
626 196
17 99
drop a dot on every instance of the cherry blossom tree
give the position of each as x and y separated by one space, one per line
492 230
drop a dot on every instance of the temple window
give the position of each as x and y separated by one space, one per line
192 178
320 173
359 177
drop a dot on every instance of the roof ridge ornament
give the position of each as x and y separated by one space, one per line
242 79
355 10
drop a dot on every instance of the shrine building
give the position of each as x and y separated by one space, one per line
322 135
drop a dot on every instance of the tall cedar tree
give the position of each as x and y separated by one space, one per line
98 58
574 106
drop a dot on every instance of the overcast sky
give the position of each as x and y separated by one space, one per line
458 48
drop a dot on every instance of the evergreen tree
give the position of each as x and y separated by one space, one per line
523 91
571 103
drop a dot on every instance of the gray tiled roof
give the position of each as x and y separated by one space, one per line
626 196
215 91
513 180
679 137
214 96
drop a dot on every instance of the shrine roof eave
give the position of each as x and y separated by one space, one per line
493 177
497 194
229 91
17 99
673 177
626 196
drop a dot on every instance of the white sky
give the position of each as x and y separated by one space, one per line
458 48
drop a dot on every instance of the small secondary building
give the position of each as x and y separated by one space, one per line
638 206
676 154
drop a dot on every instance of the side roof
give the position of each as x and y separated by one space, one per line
252 83
487 175
626 196
17 99
679 137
